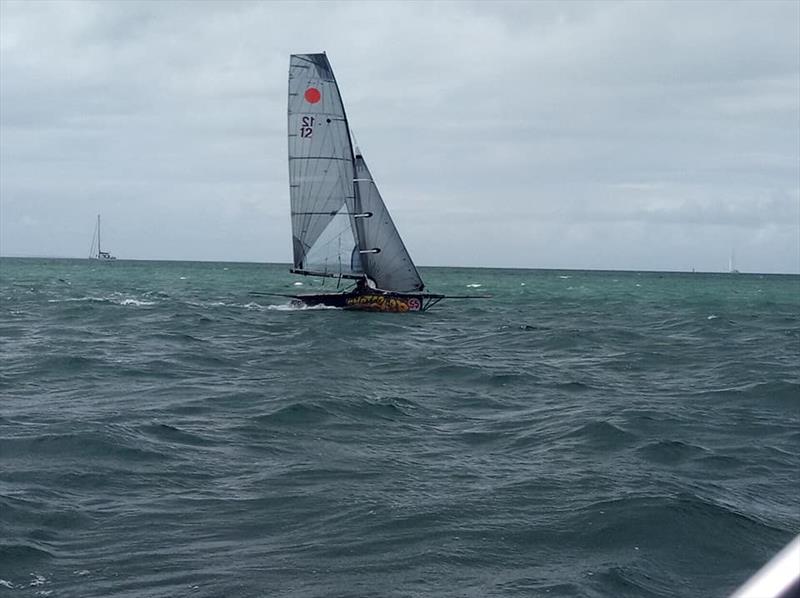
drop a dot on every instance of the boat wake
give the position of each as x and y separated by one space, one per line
116 299
299 307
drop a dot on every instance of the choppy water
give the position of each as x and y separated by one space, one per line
165 433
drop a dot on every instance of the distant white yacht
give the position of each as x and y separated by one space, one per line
95 252
732 264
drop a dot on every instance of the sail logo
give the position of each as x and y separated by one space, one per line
312 95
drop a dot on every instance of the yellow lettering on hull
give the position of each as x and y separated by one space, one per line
384 303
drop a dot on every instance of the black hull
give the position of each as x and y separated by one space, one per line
371 300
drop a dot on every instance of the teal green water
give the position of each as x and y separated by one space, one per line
164 432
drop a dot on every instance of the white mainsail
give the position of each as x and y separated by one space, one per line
320 171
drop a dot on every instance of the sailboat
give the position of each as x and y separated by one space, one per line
732 264
95 252
341 228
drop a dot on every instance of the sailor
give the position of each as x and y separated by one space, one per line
365 285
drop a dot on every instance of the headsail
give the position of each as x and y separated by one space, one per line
320 171
384 256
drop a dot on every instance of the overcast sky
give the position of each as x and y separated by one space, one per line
615 135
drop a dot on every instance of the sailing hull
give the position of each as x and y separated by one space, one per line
369 301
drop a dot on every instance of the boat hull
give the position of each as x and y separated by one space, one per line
367 301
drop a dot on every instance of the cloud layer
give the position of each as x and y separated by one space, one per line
601 135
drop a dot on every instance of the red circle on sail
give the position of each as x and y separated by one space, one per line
312 95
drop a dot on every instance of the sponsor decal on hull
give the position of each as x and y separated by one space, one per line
384 303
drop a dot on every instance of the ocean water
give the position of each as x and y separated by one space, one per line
164 432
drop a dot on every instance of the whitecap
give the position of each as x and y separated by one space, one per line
70 299
565 277
522 284
183 278
474 285
712 317
6 584
298 284
136 302
38 580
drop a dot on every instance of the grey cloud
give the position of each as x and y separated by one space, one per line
541 131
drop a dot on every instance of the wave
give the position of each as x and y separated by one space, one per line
601 433
181 337
670 452
174 435
773 391
390 409
719 463
295 414
354 410
80 445
65 364
49 514
636 579
17 555
574 386
656 520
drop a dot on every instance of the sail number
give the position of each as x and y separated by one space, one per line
306 127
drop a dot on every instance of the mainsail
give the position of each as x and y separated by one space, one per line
340 225
320 171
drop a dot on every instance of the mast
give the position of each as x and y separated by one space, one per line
98 235
357 213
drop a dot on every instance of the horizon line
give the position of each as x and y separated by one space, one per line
288 264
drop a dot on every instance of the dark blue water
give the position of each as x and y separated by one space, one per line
163 432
